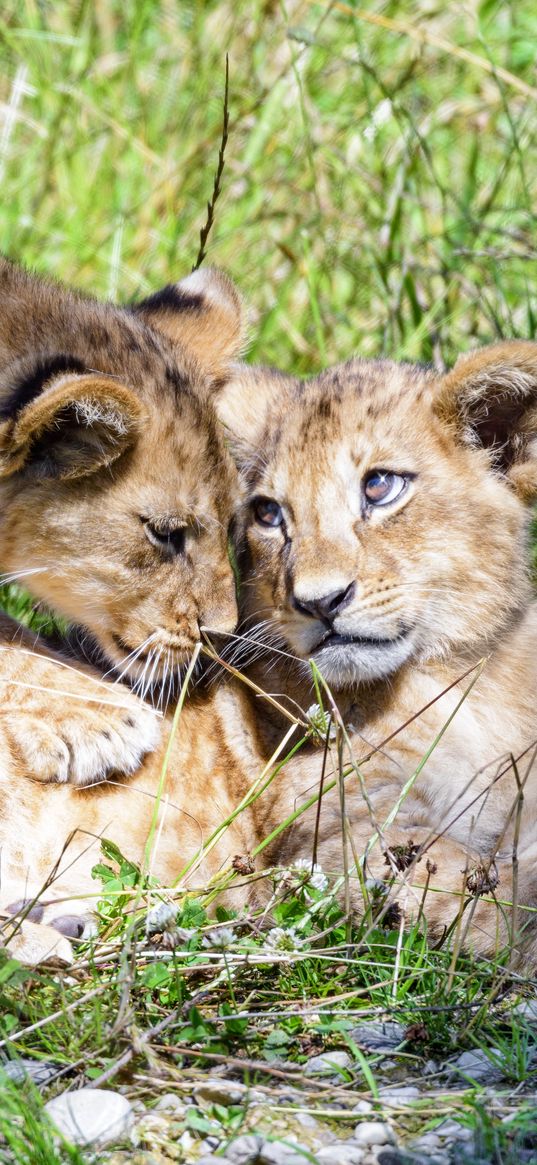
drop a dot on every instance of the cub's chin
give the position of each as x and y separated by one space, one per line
346 662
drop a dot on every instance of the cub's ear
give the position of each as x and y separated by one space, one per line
253 400
75 424
204 315
489 400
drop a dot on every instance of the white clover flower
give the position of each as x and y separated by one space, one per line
315 876
376 888
283 939
161 918
221 939
321 722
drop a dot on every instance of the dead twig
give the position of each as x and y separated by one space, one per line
207 227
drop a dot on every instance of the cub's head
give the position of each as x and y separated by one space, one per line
116 488
387 508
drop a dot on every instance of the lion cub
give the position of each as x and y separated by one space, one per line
116 492
385 537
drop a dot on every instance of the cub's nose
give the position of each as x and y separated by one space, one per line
328 606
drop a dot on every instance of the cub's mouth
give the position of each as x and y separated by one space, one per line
354 659
333 639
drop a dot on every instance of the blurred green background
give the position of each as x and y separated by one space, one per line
380 176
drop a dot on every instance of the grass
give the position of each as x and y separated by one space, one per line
377 197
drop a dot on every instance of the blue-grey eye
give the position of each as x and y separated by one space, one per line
382 487
268 512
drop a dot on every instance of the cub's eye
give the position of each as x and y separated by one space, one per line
268 512
170 540
382 487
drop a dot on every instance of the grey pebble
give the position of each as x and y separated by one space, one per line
373 1133
255 1150
220 1091
427 1143
341 1154
327 1064
39 1071
306 1120
477 1065
453 1131
378 1037
527 1010
170 1102
244 1150
91 1116
399 1095
274 1153
363 1106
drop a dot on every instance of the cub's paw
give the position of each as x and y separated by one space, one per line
79 743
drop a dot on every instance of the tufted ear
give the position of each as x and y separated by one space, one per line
204 314
252 400
66 427
490 401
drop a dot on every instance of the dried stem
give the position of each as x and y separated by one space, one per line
217 188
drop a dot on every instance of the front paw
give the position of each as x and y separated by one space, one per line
81 744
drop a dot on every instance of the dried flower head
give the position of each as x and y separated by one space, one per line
482 880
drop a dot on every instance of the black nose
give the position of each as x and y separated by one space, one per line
328 607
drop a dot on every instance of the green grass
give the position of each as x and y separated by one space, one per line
378 197
379 185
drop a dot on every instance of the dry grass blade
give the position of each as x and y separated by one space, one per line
217 187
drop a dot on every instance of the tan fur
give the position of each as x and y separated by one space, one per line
106 425
443 573
441 588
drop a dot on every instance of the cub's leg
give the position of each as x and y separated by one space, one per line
58 723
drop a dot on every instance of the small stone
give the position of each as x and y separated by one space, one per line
306 1120
363 1107
399 1096
169 1102
373 1133
527 1010
274 1153
478 1066
151 1125
39 1071
342 1153
244 1150
387 1155
224 1092
378 1037
426 1143
209 1145
91 1116
328 1064
453 1131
